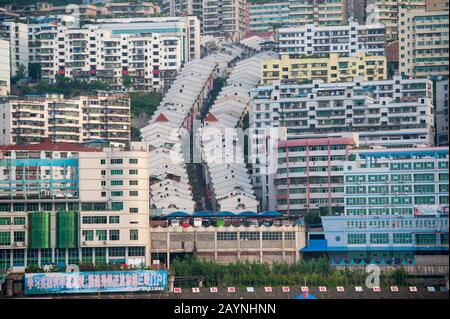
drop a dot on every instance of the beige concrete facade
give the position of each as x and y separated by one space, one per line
231 244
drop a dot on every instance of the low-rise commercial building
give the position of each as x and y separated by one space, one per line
261 244
333 68
105 116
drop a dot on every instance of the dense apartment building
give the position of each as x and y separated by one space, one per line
396 206
130 10
224 18
184 7
309 175
105 116
17 35
423 40
386 12
318 12
345 39
98 54
62 203
441 101
5 68
185 29
266 16
334 68
393 113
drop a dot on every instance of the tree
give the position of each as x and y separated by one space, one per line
312 219
127 82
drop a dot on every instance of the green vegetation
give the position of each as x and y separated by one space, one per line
68 87
144 103
21 3
305 272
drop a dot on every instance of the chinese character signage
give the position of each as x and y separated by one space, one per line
90 282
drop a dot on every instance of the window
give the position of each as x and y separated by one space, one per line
116 183
425 239
136 251
116 251
133 161
249 236
379 238
226 236
114 234
114 219
134 234
5 238
133 171
19 220
102 162
88 235
101 234
5 221
116 193
117 206
19 236
94 220
134 210
272 236
134 193
355 239
289 235
133 182
402 238
116 172
116 161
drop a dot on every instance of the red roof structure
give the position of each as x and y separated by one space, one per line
47 145
161 118
211 118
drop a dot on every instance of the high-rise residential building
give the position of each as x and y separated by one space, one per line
333 68
386 12
149 60
441 100
309 176
185 29
5 68
346 39
266 16
130 9
318 12
17 35
224 18
106 116
184 7
78 205
423 40
393 113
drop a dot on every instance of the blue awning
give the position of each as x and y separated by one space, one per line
271 214
224 214
178 214
248 214
203 214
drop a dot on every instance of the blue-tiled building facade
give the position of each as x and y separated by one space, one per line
396 206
